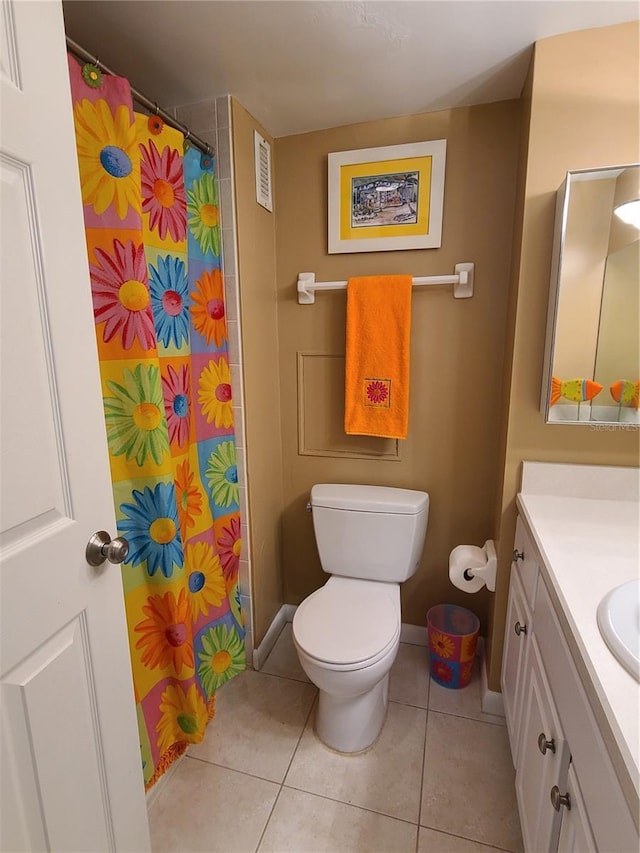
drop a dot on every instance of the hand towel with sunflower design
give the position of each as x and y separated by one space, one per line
377 356
151 221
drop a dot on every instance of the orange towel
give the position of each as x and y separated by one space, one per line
377 356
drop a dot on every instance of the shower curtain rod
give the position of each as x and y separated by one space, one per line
81 53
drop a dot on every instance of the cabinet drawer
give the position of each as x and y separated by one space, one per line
610 818
527 564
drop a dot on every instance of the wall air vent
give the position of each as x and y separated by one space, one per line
263 171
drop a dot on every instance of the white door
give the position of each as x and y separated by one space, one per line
70 763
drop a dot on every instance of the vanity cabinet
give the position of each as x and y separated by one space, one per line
568 794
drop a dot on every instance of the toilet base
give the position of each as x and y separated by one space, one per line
352 723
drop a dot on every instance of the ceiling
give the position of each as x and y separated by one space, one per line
302 65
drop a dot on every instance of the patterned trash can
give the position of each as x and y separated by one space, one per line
453 634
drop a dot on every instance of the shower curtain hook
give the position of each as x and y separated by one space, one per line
156 108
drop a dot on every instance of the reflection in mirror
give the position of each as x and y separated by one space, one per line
618 335
592 357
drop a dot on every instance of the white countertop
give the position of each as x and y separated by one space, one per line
585 521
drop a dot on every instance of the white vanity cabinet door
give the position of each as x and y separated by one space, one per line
517 632
575 832
610 819
543 758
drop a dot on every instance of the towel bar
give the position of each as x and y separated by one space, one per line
462 283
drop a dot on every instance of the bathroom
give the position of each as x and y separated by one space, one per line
476 364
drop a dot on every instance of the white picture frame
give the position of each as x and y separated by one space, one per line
386 199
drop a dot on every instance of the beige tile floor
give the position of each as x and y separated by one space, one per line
438 780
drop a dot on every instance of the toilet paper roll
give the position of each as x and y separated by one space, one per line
467 557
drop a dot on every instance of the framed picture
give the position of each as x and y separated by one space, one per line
384 199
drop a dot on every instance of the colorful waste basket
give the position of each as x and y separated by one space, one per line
453 635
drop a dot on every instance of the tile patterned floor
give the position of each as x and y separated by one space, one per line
438 780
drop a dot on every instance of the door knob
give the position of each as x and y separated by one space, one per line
520 629
102 547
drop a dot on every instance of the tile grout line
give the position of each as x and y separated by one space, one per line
340 802
472 840
264 828
424 768
424 762
352 805
232 769
417 824
293 754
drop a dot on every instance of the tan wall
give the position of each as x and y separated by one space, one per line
456 349
584 114
256 274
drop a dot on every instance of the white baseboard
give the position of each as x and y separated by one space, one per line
491 701
415 635
152 793
284 615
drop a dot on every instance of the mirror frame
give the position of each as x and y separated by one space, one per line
559 236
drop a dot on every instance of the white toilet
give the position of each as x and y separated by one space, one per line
347 633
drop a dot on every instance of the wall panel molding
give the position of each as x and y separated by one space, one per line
321 413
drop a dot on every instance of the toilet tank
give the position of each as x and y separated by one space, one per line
369 532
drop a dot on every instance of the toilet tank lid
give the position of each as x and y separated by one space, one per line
369 498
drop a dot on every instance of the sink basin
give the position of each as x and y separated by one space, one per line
619 623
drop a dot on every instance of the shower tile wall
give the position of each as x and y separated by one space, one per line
211 120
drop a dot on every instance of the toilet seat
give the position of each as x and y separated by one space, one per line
348 624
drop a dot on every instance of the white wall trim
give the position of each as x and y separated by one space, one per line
415 635
284 615
491 701
152 793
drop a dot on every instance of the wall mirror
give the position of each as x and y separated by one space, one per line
592 353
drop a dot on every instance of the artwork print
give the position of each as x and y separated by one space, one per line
385 199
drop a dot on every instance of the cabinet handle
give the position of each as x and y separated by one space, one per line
517 555
520 629
558 799
544 744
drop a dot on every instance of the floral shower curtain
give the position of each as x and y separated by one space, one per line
152 232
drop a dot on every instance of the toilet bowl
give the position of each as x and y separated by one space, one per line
349 662
347 633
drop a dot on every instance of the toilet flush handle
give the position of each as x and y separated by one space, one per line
309 507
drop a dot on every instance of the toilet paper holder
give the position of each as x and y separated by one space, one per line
485 573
